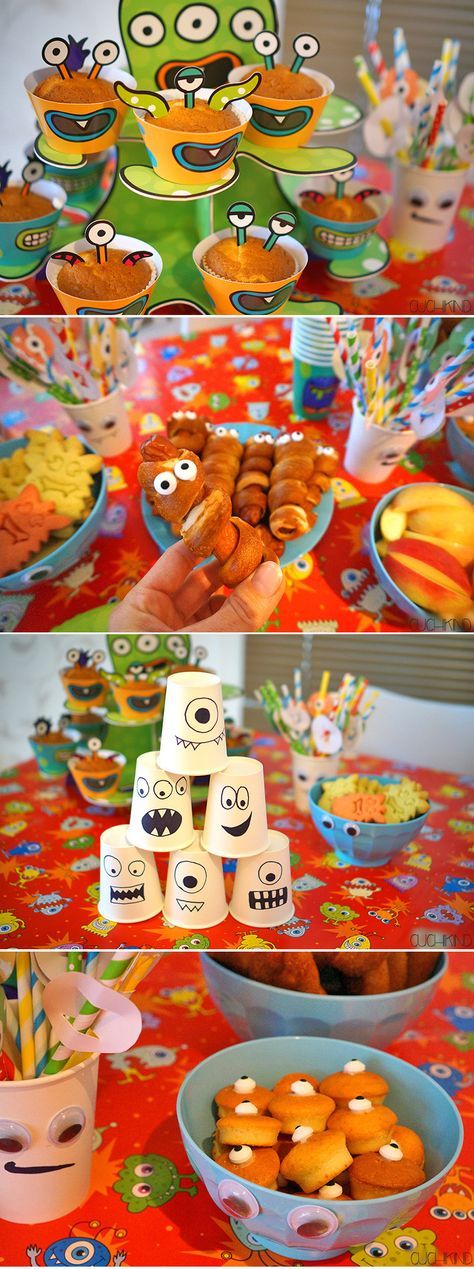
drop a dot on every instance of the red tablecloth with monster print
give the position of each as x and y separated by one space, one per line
178 1224
49 872
239 374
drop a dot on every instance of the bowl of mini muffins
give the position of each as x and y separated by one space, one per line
358 996
316 1145
367 820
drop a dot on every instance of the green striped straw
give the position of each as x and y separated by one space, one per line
419 354
353 348
40 1024
59 1055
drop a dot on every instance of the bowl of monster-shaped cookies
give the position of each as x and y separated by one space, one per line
353 995
316 1145
366 820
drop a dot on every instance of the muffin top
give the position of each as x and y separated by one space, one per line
112 281
250 262
76 88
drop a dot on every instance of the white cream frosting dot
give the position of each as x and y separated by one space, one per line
354 1067
392 1152
245 1084
302 1088
301 1133
240 1154
330 1191
359 1105
246 1108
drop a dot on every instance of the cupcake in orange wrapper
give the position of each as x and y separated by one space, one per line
77 111
288 102
251 273
52 747
338 213
192 133
97 773
89 277
82 680
29 212
139 697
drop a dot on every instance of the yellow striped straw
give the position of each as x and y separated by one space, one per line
371 383
379 404
446 54
25 1015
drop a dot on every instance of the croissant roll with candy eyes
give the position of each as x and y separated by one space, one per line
260 446
176 489
290 522
250 503
289 492
187 430
326 459
293 469
293 445
257 464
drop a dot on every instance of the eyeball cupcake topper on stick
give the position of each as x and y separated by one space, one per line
104 54
189 80
33 171
241 216
69 55
266 44
304 46
281 224
100 233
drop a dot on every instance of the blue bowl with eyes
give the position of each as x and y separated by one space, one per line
67 553
295 1225
254 1009
367 845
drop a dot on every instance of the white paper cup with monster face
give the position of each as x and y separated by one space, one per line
195 892
193 734
306 769
104 423
372 451
46 1127
262 894
236 813
425 201
161 818
129 889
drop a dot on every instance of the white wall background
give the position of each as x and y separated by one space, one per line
30 684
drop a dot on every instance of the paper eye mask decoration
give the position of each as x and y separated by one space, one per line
69 56
242 215
100 234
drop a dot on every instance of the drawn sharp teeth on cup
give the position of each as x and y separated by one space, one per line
195 744
161 823
263 899
186 906
134 895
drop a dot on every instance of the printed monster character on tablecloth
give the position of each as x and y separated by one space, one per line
150 1180
83 1246
397 1246
161 38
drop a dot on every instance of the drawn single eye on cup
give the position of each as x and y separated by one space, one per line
112 866
201 714
181 786
136 868
162 789
270 873
190 877
67 1126
143 787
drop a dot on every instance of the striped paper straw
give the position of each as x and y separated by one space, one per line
450 82
59 1056
25 1015
400 53
354 351
40 1024
445 60
297 684
377 59
91 962
428 159
447 372
414 367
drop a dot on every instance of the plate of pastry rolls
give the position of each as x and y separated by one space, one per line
280 484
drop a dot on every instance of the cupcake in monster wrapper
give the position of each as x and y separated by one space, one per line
251 273
77 108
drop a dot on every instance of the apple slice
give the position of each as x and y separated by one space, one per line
430 577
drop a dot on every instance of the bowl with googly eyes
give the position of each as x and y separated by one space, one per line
363 841
322 1224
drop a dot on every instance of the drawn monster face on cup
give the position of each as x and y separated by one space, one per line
161 816
193 735
129 885
195 895
262 887
236 819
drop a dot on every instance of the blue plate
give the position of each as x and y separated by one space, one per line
161 533
461 449
69 551
419 615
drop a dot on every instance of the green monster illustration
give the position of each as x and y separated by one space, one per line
398 1247
150 1180
152 651
334 912
192 943
159 38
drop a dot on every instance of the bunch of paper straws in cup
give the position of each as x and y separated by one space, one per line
388 382
428 144
319 724
28 1047
74 359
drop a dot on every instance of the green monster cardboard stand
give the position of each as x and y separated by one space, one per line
159 39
